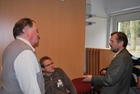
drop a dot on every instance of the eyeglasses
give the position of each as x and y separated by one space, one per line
48 64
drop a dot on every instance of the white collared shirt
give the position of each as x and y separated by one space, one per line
26 67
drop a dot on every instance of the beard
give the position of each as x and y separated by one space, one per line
115 50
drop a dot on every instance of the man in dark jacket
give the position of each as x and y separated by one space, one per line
118 75
135 80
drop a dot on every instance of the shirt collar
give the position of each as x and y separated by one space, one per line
25 41
118 52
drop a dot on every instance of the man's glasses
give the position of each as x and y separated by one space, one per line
49 64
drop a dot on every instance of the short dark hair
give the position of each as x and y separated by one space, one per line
17 30
121 36
43 59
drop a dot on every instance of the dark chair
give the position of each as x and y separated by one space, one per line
82 87
95 90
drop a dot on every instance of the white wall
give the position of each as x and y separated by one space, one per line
114 6
96 34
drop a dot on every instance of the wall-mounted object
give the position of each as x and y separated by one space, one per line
90 23
88 8
88 14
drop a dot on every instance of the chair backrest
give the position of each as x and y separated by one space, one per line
82 87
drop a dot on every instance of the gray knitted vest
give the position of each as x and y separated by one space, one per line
10 84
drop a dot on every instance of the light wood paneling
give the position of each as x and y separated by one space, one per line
61 28
97 59
105 58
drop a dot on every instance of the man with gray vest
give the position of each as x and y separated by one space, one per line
21 72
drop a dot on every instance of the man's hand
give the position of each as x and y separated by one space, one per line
87 78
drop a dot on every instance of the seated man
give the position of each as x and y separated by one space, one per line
56 80
135 84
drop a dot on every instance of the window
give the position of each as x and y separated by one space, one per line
129 23
132 30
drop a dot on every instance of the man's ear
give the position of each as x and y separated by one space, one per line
26 30
42 69
121 43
